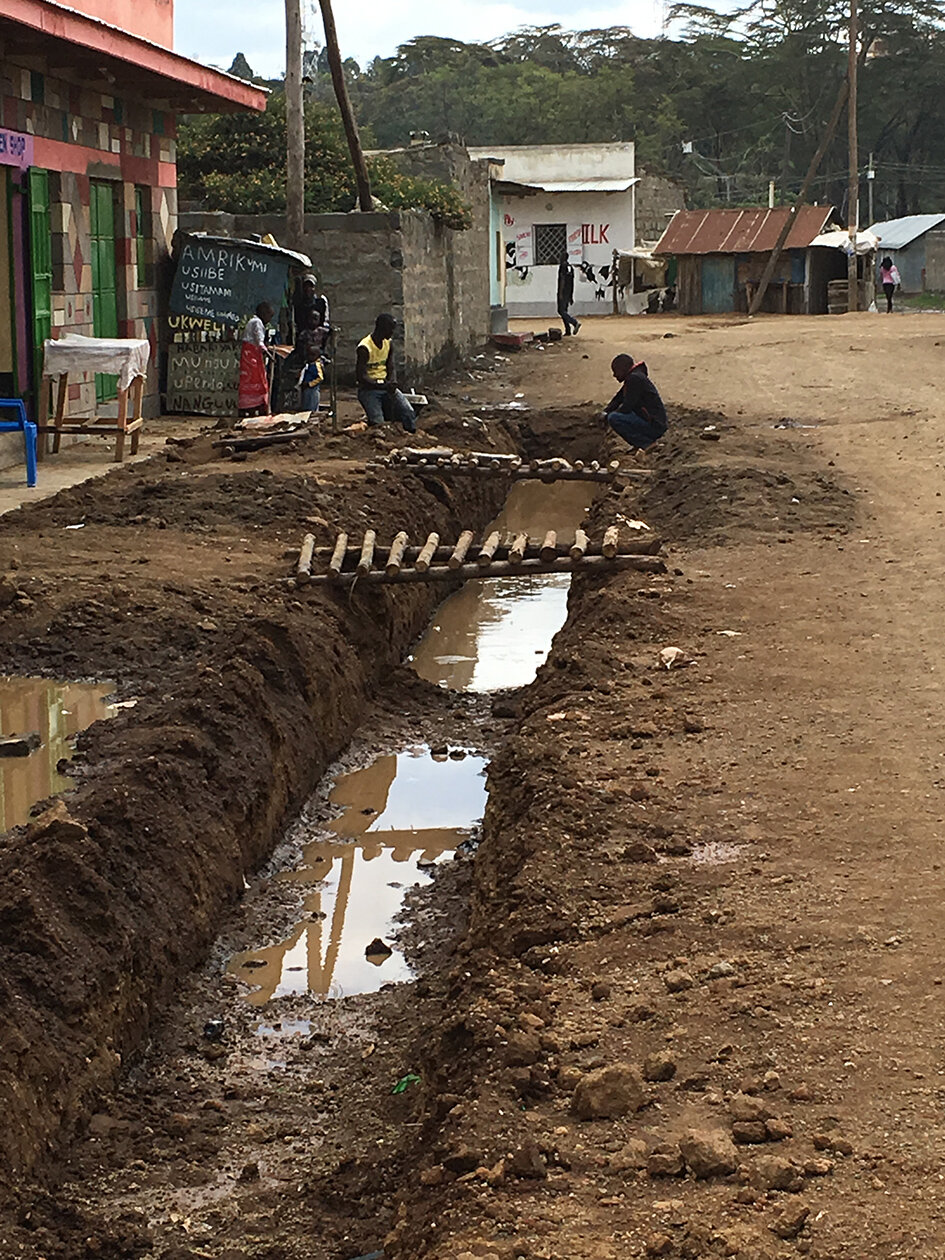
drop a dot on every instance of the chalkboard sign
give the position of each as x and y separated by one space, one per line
225 281
202 378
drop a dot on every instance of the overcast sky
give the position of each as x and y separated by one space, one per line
214 31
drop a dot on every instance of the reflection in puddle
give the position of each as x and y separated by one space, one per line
402 812
58 711
495 634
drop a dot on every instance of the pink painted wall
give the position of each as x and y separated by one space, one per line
151 19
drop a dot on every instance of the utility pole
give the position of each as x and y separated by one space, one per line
294 125
853 196
344 105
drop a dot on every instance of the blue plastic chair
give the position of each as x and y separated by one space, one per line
29 433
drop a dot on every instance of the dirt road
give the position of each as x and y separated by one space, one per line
696 1010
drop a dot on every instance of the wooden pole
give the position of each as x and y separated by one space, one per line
338 556
488 549
462 546
579 548
367 552
425 558
812 170
518 548
294 125
336 67
611 542
304 571
853 188
549 548
502 568
395 556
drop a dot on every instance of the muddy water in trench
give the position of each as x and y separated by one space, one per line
57 711
401 814
495 634
411 809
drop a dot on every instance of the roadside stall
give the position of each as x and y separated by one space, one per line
218 283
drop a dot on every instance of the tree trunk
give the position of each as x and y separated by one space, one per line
344 104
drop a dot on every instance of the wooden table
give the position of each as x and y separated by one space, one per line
127 358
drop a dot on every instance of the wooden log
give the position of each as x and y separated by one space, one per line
395 556
614 466
367 552
463 544
425 558
611 542
431 452
527 568
487 551
549 548
338 556
579 546
641 545
303 572
518 548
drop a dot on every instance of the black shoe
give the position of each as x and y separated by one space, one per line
577 325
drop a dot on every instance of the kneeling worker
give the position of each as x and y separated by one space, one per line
377 379
636 411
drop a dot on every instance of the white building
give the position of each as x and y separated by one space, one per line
573 198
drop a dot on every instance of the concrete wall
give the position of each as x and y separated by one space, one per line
434 281
529 163
151 19
657 200
934 262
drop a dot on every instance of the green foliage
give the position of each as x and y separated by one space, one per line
236 162
750 89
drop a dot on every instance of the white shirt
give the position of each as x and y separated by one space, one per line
255 332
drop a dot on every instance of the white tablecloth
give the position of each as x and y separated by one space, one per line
124 357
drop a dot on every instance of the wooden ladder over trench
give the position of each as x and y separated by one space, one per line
443 460
497 555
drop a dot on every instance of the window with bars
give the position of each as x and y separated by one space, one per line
551 241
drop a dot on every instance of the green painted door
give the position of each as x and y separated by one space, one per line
104 283
41 269
718 284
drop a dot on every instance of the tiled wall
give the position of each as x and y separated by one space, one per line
86 132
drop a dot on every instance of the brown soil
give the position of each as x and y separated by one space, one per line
731 865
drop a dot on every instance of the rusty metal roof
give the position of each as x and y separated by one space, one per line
753 231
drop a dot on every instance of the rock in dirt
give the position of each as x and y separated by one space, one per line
709 1153
527 1162
601 991
790 1222
677 981
746 1132
660 1066
608 1092
659 1245
773 1172
746 1108
56 825
665 1160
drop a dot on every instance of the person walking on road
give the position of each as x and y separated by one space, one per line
377 379
566 296
889 279
636 412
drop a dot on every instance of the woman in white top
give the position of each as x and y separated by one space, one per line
253 392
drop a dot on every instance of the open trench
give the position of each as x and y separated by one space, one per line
263 1111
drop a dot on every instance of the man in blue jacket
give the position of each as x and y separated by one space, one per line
636 411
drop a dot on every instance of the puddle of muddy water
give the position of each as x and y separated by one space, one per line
401 814
496 633
58 711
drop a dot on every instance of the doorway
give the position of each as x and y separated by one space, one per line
104 273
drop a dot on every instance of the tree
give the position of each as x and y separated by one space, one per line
241 67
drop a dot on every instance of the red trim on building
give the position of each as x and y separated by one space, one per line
156 71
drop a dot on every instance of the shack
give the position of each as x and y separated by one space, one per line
721 255
907 242
217 285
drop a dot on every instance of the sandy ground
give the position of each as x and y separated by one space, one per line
719 885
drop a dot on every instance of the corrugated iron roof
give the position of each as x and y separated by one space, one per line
752 231
898 233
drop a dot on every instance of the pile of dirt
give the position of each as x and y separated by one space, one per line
715 482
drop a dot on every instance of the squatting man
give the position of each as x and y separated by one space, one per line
636 412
